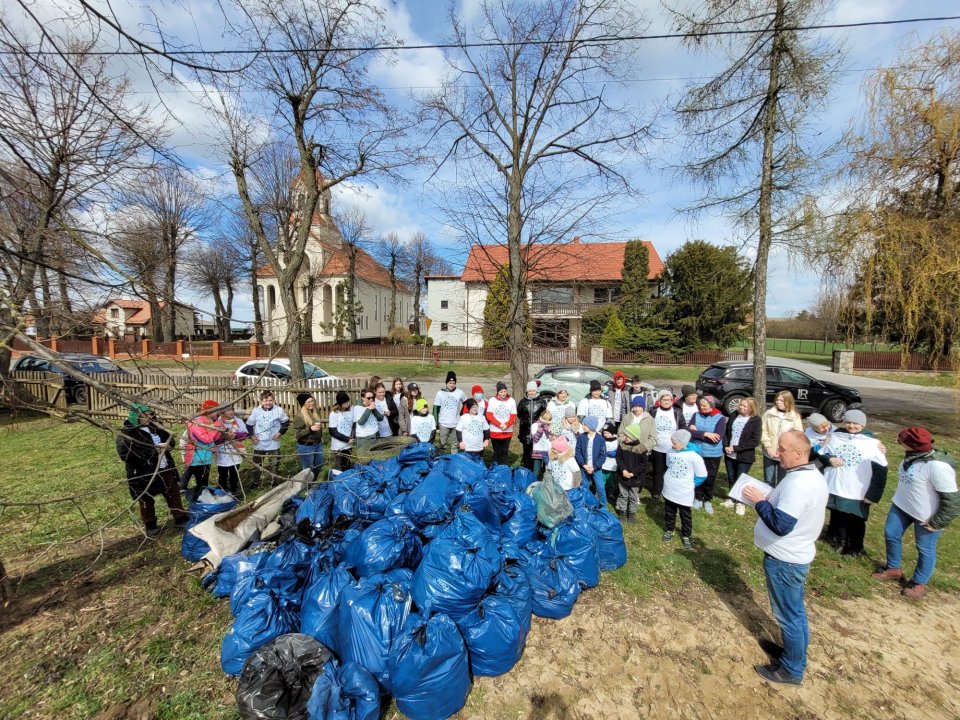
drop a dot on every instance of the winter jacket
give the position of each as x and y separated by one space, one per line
201 442
773 426
528 412
303 433
624 399
648 434
745 451
598 455
712 422
139 456
501 411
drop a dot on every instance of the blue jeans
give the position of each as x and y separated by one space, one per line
311 457
898 522
600 486
785 586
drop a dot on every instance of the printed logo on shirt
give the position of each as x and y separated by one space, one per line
449 402
677 467
664 422
501 412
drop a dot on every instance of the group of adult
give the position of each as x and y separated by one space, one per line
611 444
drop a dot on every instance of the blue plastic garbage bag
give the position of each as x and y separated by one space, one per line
342 540
429 669
363 493
553 584
396 505
193 548
494 636
582 499
265 617
477 499
513 586
370 615
521 526
292 555
433 500
263 580
522 479
610 542
387 544
461 468
457 568
577 542
277 679
318 607
500 485
318 505
411 475
344 692
417 452
233 567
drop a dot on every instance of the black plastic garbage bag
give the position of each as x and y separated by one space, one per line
429 669
277 679
318 608
513 585
457 568
494 636
265 617
370 615
553 583
387 544
344 692
577 543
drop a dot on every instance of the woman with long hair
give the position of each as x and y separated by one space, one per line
780 418
399 417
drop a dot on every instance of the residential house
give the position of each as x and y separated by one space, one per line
564 280
321 287
127 319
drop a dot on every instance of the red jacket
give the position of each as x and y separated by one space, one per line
501 411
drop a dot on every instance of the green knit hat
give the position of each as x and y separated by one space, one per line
136 410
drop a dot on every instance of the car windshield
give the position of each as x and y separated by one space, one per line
94 366
313 372
714 372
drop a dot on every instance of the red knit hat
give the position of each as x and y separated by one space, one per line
917 439
208 405
476 389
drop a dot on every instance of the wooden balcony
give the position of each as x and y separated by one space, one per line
542 309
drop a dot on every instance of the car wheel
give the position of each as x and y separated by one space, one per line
834 410
80 395
732 404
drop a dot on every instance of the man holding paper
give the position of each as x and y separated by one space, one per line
791 518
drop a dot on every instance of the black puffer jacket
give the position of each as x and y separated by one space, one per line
529 411
139 455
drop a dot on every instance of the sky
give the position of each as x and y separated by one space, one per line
663 68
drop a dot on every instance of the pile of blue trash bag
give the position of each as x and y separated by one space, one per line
416 574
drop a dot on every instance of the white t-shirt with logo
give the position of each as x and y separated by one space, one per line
665 423
563 472
801 494
852 479
422 427
682 468
342 422
595 407
383 426
919 484
688 412
471 427
155 439
450 404
368 429
266 424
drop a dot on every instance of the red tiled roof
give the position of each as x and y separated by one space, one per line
141 311
338 263
562 262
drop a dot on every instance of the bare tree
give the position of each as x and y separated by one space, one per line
353 228
392 253
745 125
529 118
312 80
61 149
216 267
423 259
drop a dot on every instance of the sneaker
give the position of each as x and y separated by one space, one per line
741 510
775 673
153 532
687 543
914 591
887 574
667 536
728 503
708 507
697 504
632 519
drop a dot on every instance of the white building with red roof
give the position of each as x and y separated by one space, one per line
321 287
564 280
128 319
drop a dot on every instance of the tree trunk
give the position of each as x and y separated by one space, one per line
257 311
308 310
228 317
46 304
352 296
219 313
66 309
517 341
170 289
766 213
393 295
416 303
156 321
294 328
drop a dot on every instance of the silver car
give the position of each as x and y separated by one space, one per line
576 378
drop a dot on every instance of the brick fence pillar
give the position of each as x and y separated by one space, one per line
181 351
215 347
112 347
253 350
95 345
144 347
843 362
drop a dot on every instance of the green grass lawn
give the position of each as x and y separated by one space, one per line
105 617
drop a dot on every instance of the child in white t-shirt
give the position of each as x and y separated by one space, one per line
685 471
563 465
473 430
423 426
542 438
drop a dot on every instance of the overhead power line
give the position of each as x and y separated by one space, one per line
598 40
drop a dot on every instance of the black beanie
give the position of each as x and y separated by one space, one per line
501 386
451 375
469 403
342 397
302 398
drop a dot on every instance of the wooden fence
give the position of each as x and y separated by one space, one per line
185 393
705 357
900 362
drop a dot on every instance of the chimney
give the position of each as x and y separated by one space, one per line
576 239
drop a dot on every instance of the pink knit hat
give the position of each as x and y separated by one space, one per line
560 445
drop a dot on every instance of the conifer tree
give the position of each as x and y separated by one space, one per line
635 289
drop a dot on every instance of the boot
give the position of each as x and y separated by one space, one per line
631 518
887 574
914 591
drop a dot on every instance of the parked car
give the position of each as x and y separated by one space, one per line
86 363
576 378
277 371
730 382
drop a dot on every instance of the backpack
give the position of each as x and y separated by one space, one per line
944 457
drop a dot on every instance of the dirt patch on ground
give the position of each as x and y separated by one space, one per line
620 657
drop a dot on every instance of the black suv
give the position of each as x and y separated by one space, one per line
86 363
730 382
